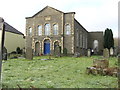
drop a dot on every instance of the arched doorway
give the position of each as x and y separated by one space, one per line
95 46
37 48
46 46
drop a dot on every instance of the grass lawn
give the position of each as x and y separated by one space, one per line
64 72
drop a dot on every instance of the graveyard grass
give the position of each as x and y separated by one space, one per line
64 72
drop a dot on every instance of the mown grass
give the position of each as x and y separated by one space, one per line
64 72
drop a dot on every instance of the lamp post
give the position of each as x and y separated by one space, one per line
2 32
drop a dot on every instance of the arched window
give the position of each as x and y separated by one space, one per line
30 31
40 30
67 29
47 29
55 29
95 45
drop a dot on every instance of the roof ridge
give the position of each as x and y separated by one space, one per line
10 28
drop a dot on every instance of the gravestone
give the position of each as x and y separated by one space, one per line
4 53
111 51
95 51
106 53
88 53
116 51
57 51
77 54
29 53
101 63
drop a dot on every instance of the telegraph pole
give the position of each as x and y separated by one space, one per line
2 32
119 44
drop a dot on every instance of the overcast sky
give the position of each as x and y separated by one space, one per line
94 15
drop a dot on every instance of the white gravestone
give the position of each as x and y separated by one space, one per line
88 53
111 51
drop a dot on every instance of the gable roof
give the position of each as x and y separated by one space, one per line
9 28
43 10
80 25
51 8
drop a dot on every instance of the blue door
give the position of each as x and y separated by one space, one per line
46 48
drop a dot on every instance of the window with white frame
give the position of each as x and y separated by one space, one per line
67 29
55 29
40 30
30 31
47 29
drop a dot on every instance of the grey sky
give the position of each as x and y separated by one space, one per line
94 15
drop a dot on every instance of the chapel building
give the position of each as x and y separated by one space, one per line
51 27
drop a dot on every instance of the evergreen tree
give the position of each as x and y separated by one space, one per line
108 39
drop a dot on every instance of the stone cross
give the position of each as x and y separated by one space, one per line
2 33
106 53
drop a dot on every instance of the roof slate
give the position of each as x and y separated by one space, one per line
11 29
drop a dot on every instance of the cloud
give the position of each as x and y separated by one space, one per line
92 14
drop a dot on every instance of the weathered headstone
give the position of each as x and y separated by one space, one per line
57 52
29 53
4 53
88 53
2 33
95 51
115 51
77 54
106 53
111 51
101 63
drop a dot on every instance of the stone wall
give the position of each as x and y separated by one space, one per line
69 39
81 38
96 36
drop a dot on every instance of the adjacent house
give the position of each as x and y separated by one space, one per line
51 27
13 38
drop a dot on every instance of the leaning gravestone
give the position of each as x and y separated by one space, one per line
88 53
106 53
111 51
57 52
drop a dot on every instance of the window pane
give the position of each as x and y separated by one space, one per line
30 31
39 30
47 29
67 29
55 29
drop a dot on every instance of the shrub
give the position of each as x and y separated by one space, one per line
65 51
18 50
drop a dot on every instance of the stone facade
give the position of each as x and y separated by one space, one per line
69 34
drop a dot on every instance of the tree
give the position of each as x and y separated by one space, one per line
108 39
